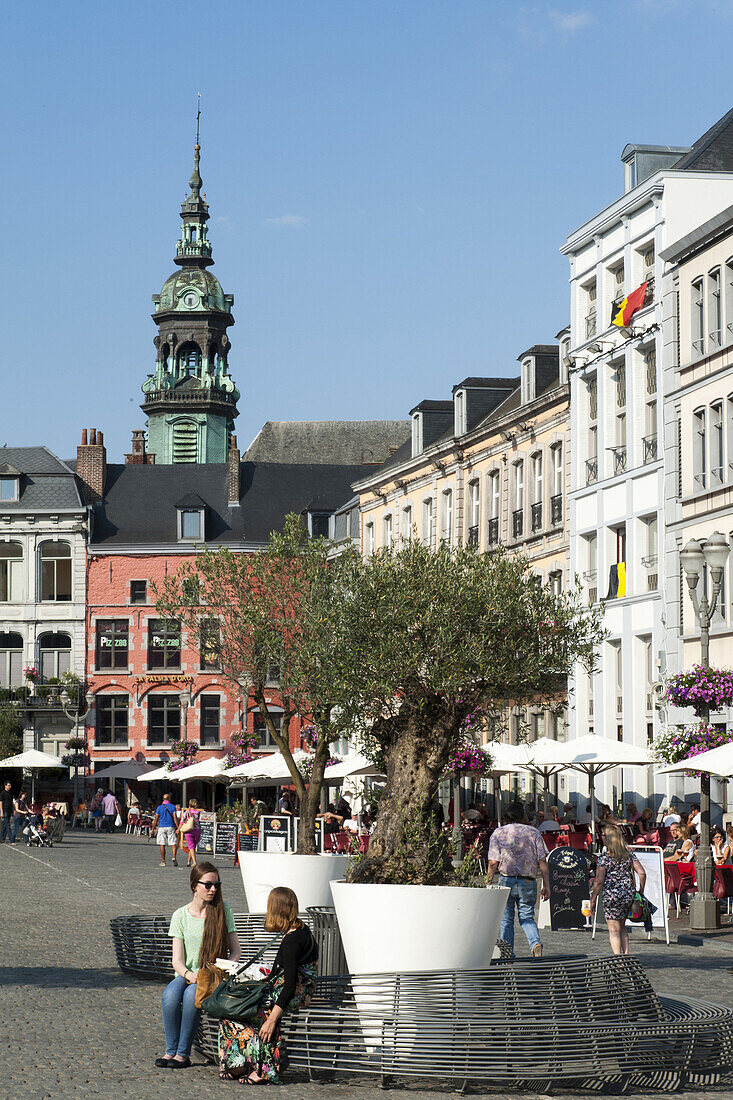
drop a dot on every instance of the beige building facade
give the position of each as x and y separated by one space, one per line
487 467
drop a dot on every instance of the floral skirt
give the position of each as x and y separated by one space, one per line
241 1050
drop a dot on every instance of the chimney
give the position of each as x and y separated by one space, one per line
233 487
91 465
139 456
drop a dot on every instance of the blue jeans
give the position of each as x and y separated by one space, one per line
522 896
180 1017
19 822
6 828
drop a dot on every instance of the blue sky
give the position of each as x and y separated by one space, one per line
389 185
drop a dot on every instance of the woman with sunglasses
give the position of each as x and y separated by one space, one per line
202 931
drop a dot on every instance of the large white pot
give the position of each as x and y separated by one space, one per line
309 876
404 928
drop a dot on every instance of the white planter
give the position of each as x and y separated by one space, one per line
309 876
404 928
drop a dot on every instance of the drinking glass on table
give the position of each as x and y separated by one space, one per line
586 910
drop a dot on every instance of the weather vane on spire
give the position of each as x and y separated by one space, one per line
198 115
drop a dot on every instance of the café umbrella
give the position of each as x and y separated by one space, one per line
265 769
32 761
714 762
538 757
212 770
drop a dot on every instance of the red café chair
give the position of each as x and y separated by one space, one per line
580 839
342 843
551 838
723 888
672 878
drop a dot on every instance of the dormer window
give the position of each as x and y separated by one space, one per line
459 410
527 381
416 434
191 513
9 489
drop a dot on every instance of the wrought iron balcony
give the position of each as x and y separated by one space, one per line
41 696
650 448
619 459
537 517
591 470
493 531
556 510
473 536
518 523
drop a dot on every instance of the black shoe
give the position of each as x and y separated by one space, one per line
163 1063
175 1064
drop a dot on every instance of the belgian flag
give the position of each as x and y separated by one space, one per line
621 314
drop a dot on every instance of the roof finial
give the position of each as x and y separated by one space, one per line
198 116
195 181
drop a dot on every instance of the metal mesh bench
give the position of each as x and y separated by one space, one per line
143 947
575 1022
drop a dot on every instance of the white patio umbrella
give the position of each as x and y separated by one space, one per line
352 765
159 773
593 755
539 757
32 761
213 771
715 762
265 770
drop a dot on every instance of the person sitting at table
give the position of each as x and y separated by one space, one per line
645 824
332 821
718 845
684 847
472 815
632 814
728 846
343 809
694 818
552 823
568 814
671 817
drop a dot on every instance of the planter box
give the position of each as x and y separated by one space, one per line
309 876
388 929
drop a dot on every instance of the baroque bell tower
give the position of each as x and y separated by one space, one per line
190 400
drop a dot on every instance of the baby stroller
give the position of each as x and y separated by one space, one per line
36 834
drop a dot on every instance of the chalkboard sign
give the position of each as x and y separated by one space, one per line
569 887
275 833
226 838
206 842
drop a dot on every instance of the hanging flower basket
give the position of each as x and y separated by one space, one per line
468 758
305 767
244 743
76 743
75 760
186 754
701 688
683 742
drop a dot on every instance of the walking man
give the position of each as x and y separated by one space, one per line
111 808
517 851
6 811
166 819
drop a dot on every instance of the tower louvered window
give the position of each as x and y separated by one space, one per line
185 441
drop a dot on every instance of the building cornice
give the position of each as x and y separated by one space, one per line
172 549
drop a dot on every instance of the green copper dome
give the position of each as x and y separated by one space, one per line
205 287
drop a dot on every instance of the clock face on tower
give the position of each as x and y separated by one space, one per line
190 299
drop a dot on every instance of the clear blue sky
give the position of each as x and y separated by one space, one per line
389 185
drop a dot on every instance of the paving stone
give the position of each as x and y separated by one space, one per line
81 1028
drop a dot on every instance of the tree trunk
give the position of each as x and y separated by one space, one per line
310 801
407 845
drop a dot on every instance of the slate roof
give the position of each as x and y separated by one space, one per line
713 152
139 506
46 483
485 383
327 442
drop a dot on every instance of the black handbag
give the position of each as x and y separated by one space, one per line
238 998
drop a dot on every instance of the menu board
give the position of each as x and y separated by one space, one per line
652 861
207 822
319 834
569 887
275 833
225 843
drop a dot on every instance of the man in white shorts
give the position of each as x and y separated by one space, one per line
166 819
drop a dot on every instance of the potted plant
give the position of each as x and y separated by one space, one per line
271 620
429 639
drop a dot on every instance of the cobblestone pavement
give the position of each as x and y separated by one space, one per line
76 1027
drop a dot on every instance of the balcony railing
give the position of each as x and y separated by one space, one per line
591 470
537 517
493 531
517 523
619 459
41 697
592 595
556 510
649 443
473 536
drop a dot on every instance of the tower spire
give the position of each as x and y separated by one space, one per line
195 181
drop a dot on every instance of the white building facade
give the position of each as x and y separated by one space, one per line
616 501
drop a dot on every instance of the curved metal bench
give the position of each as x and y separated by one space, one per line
143 947
580 1022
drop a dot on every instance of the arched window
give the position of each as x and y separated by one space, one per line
11 660
189 359
55 571
193 234
55 655
11 572
185 441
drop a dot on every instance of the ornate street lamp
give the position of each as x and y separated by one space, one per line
76 714
704 909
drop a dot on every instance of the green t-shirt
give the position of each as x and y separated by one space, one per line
191 931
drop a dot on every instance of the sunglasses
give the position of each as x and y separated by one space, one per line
209 885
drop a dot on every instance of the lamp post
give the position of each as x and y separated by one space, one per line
704 909
75 714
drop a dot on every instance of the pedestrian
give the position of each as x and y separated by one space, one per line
250 1052
166 820
97 810
518 852
201 931
190 831
21 814
6 811
111 808
615 878
284 805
